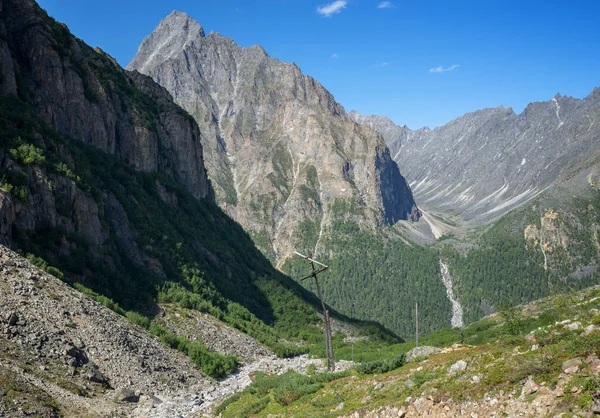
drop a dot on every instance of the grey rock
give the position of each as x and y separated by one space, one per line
7 216
125 395
93 374
529 387
408 383
571 366
13 319
78 357
457 367
424 351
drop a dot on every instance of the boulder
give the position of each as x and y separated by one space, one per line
76 356
424 351
457 367
95 375
13 319
530 387
571 366
125 395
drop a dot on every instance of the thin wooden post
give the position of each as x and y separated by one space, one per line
417 324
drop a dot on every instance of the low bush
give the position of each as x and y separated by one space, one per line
383 366
254 408
290 386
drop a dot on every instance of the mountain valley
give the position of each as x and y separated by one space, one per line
149 218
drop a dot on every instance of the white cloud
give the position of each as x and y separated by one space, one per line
332 8
441 69
383 64
335 56
385 5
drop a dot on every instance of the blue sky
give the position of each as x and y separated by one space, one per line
387 60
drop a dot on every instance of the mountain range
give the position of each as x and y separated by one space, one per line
281 157
288 163
483 164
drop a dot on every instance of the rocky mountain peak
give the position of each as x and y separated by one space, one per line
281 150
172 34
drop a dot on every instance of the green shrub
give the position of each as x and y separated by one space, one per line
136 318
62 168
5 185
254 408
213 364
292 390
290 386
383 366
55 272
28 154
513 320
223 405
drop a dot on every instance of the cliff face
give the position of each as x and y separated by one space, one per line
83 94
279 149
485 163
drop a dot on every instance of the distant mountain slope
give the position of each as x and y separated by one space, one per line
482 164
279 149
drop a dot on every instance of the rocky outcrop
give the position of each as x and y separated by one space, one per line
84 95
485 163
280 150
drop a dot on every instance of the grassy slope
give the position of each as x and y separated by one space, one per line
497 353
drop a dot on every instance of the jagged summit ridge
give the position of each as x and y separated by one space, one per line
173 33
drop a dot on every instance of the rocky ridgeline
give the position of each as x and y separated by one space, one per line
485 163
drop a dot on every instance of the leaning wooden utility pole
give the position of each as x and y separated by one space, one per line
328 341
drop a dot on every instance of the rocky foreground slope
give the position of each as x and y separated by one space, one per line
280 151
485 163
63 354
